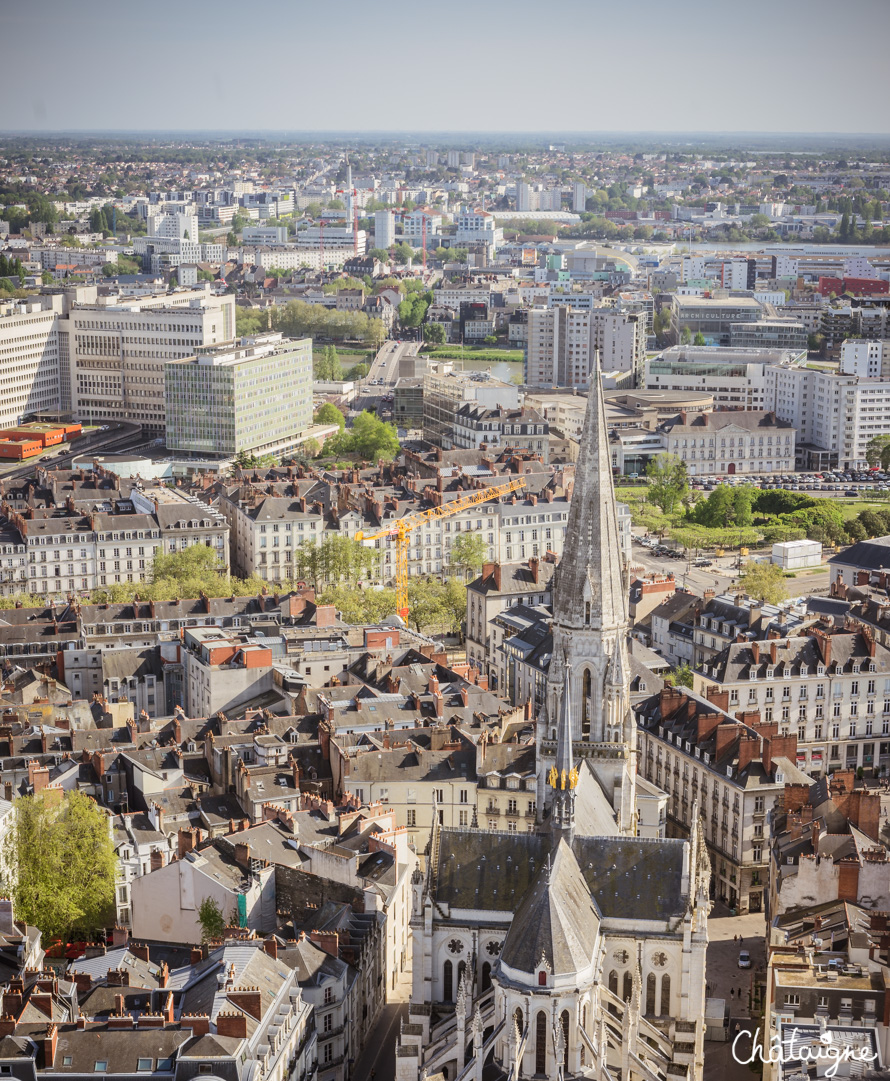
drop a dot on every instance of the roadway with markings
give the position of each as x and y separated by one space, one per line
385 367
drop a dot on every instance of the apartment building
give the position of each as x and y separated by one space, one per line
477 226
62 551
517 429
69 553
225 669
836 414
563 341
727 769
831 689
117 352
733 443
384 229
255 397
184 521
498 587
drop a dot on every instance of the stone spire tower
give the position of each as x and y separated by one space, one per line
590 625
563 776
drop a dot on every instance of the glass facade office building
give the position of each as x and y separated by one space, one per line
255 397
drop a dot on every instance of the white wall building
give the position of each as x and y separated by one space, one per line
384 229
264 234
29 358
175 225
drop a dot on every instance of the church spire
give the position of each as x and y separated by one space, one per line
563 776
589 591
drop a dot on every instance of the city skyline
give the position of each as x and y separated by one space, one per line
602 77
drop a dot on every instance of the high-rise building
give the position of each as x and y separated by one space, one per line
256 396
562 343
579 197
453 159
29 358
117 352
384 229
526 197
173 225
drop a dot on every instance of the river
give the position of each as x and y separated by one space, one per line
508 371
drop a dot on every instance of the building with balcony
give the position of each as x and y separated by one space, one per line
727 769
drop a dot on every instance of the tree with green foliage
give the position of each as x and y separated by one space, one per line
764 582
681 676
356 372
468 552
402 253
330 414
454 606
360 605
326 367
211 919
370 439
856 531
662 323
426 597
412 310
699 338
685 336
61 864
668 483
877 451
336 560
380 254
434 333
311 448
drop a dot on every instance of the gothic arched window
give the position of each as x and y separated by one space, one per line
665 996
448 990
541 1043
586 691
628 987
613 982
565 1038
486 976
650 995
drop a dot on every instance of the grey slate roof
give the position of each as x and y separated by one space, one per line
631 878
557 922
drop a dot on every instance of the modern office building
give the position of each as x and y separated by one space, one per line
117 351
256 396
29 358
711 316
737 378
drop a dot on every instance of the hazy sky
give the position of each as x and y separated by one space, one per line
462 65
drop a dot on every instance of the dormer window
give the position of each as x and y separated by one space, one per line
542 979
855 668
820 669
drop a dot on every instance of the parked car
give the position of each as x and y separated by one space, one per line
744 959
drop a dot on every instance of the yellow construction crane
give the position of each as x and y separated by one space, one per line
410 522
